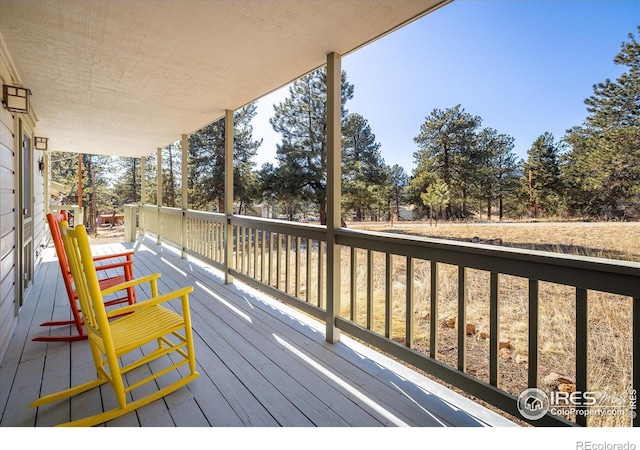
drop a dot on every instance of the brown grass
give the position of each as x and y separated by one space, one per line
610 331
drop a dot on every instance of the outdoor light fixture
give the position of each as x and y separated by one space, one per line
40 143
15 98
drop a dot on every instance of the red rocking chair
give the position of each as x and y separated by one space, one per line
126 266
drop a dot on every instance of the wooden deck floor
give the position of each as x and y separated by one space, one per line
261 364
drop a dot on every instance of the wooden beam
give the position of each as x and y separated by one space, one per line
228 194
185 192
334 216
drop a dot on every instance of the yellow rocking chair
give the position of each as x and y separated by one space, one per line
110 338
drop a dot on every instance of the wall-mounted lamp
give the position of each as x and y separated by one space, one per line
41 143
15 98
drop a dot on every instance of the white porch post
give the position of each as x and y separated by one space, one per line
159 192
47 183
334 193
185 192
228 194
143 180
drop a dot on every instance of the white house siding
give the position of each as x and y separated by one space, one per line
10 142
8 251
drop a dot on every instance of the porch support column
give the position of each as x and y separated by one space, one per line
47 182
334 193
143 180
185 192
158 193
228 194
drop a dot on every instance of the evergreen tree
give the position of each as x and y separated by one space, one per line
446 145
206 159
398 180
603 164
543 176
363 169
436 196
496 169
127 186
302 121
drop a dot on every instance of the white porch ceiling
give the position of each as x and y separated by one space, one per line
120 77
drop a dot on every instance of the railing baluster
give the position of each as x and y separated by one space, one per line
369 288
534 304
581 350
462 318
409 303
354 283
278 260
635 366
287 265
433 323
388 295
255 254
297 282
494 328
307 289
320 272
270 259
236 238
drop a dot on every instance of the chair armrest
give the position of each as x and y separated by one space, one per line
114 255
118 287
181 292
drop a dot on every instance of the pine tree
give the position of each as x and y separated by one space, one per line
301 119
603 164
206 159
543 176
446 142
398 180
363 169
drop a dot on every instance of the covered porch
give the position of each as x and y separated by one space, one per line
129 89
262 364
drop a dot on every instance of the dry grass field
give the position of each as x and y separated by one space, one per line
610 346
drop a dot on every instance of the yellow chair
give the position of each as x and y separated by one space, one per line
110 338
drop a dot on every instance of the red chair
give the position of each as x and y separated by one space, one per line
124 265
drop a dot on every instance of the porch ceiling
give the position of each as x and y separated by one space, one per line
127 77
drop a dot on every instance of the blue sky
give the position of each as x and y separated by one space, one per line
525 67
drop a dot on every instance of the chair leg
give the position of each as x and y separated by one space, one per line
117 412
68 392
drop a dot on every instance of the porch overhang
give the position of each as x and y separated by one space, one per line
124 78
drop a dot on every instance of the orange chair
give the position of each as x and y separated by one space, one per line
125 265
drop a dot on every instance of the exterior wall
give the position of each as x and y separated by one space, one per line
8 237
12 127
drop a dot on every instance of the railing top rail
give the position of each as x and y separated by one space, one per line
606 275
305 230
205 215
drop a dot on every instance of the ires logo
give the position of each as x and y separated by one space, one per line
534 403
572 399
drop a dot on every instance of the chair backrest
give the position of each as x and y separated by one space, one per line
85 277
54 227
